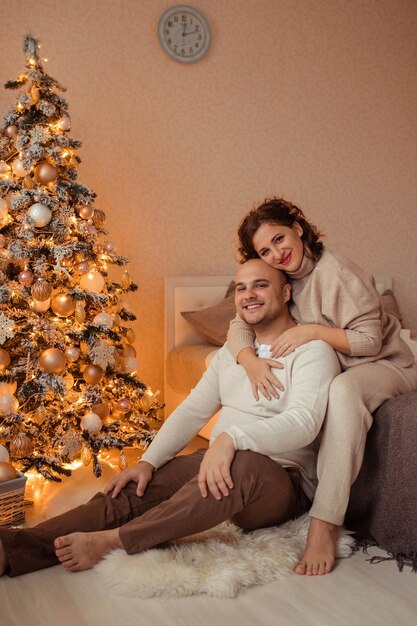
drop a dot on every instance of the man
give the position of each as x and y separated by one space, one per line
259 470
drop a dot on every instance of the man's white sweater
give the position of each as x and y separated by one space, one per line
282 428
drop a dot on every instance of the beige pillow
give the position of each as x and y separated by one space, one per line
213 322
390 304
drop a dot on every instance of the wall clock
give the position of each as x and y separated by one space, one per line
184 33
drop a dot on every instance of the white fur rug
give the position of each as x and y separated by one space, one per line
219 562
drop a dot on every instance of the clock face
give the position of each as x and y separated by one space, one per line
184 33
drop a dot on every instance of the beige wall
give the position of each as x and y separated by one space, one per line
312 99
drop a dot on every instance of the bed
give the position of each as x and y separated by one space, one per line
383 504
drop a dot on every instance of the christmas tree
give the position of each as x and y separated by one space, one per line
68 381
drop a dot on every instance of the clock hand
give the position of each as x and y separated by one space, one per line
192 32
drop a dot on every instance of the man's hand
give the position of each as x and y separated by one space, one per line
214 472
140 473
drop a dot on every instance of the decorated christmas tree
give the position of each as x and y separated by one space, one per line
68 383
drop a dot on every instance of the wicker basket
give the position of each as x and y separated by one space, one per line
12 499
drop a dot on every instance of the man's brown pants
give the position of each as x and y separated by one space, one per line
264 494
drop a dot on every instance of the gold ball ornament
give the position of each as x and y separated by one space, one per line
4 208
7 472
86 456
45 173
4 168
4 359
11 131
117 320
92 423
25 278
41 307
130 335
72 353
83 267
124 405
8 404
4 454
79 312
63 305
86 212
93 374
41 290
8 388
21 446
129 351
109 246
64 123
18 169
102 410
93 281
52 361
99 217
40 214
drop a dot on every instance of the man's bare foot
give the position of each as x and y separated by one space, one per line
320 553
80 551
2 560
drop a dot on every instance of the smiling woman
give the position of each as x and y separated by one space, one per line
335 301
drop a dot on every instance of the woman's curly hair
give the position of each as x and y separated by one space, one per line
277 211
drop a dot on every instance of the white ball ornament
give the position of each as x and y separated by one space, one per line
18 169
130 365
103 319
4 455
91 422
40 214
72 353
64 123
8 404
93 281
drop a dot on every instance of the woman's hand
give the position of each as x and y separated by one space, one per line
140 473
260 374
293 338
214 474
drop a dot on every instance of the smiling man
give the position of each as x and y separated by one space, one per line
259 470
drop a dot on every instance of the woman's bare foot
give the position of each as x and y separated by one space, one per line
320 553
3 561
80 551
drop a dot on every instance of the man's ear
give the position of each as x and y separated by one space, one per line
286 292
298 229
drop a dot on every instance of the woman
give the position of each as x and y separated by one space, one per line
332 300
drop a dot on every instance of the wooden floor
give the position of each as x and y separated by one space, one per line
355 594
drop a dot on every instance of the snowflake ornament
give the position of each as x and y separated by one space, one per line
102 355
6 328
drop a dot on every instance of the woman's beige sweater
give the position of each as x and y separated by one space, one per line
336 292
